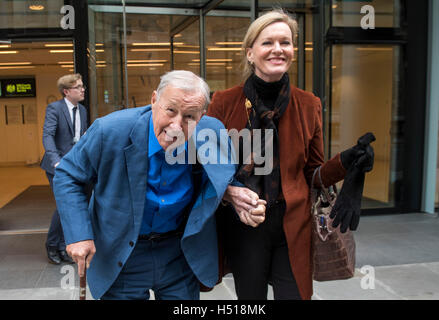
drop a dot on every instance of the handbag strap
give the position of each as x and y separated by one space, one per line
322 189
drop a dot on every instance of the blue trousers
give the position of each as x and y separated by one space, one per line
158 265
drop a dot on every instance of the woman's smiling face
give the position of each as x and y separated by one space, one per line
272 52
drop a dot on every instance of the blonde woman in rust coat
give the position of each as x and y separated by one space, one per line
273 245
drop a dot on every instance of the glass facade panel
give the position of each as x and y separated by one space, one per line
30 14
148 57
224 37
148 54
235 4
105 63
365 98
269 4
186 50
308 52
161 3
436 203
346 13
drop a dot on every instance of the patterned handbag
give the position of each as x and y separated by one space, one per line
333 252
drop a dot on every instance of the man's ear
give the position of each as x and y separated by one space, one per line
154 97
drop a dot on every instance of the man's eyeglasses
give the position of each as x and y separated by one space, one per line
79 87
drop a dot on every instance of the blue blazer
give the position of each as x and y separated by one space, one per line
58 133
113 155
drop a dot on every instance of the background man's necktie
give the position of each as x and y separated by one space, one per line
74 123
74 119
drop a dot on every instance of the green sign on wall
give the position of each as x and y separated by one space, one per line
17 88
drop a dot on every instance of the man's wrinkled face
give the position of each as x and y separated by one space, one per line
175 114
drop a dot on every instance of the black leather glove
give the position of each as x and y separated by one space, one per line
349 156
362 150
347 207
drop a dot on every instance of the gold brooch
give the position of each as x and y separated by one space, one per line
248 104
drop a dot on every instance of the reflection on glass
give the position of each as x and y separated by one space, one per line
347 13
186 52
223 51
148 57
308 52
30 14
285 4
364 98
437 179
149 54
105 64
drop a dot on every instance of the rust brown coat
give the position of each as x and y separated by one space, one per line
300 152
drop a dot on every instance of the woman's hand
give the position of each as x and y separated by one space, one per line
250 209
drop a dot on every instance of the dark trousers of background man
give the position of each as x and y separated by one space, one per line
55 235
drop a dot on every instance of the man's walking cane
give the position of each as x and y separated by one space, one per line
83 285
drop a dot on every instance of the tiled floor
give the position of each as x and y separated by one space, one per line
14 180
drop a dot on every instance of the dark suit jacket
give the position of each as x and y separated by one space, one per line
58 133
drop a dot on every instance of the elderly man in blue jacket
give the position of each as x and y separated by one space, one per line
150 223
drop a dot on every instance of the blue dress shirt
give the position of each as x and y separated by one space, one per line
169 190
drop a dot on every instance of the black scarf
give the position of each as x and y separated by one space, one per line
263 116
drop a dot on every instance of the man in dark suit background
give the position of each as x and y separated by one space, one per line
65 123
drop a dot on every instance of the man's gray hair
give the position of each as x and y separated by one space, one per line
187 81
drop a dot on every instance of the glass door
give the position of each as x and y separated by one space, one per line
130 48
364 98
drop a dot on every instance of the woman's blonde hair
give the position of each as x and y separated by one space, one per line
67 81
276 15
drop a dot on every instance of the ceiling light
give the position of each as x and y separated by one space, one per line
189 52
17 67
224 49
145 65
5 45
156 43
148 50
230 43
140 61
8 52
61 51
36 7
214 60
14 63
373 49
58 44
186 46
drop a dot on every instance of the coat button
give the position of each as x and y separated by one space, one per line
120 264
131 244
